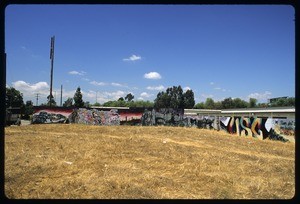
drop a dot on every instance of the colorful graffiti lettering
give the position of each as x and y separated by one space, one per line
261 128
95 117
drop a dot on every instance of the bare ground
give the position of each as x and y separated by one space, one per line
80 161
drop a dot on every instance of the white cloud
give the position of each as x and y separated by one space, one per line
77 73
133 58
156 88
102 97
146 95
118 84
69 94
85 79
115 84
211 83
260 96
186 88
31 89
152 75
97 83
217 88
207 95
114 95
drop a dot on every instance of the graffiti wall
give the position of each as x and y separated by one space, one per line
207 122
94 117
261 128
53 115
163 116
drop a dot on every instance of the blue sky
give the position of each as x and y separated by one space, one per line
112 50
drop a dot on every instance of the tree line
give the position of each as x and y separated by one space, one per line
172 97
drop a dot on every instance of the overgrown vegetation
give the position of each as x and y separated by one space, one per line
80 161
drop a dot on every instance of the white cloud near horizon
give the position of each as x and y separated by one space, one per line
81 73
97 83
156 88
186 88
152 75
118 84
260 96
31 89
207 95
133 58
146 95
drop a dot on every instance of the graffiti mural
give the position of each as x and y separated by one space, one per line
94 117
163 116
45 116
261 128
172 117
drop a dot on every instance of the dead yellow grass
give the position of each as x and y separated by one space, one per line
80 161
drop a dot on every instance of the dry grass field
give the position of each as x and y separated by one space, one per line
103 162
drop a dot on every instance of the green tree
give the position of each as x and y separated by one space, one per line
252 103
14 98
227 103
68 102
239 103
290 101
177 99
108 104
50 100
262 105
97 104
189 100
121 99
200 105
209 103
218 105
129 97
172 98
145 104
78 102
28 109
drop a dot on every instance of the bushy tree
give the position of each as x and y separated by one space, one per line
189 100
209 103
283 102
252 103
78 102
68 102
97 104
162 100
50 100
14 98
129 97
175 98
28 110
239 103
200 105
227 103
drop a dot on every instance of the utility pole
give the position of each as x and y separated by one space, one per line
61 95
37 99
96 96
51 73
